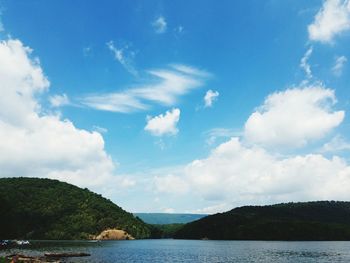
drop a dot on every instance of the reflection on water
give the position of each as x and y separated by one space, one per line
194 251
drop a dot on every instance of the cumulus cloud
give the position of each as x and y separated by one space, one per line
210 97
293 117
235 174
243 171
36 144
331 20
170 184
124 56
59 100
164 124
339 63
164 87
160 25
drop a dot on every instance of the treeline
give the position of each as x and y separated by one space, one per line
326 220
32 208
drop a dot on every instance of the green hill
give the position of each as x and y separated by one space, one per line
293 221
167 218
32 208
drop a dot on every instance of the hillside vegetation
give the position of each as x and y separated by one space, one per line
293 221
32 208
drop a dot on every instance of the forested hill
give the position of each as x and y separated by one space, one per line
32 208
293 221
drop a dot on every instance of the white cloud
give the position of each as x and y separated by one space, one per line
339 63
293 117
114 102
164 124
59 100
210 97
170 184
36 144
235 174
218 208
337 144
305 65
160 25
124 56
166 86
242 171
331 20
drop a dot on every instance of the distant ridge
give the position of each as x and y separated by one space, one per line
168 218
324 220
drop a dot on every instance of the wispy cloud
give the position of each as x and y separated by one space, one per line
160 25
331 20
337 144
304 63
164 87
337 69
114 102
124 56
59 100
179 29
220 133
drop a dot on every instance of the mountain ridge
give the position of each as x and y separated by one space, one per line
318 220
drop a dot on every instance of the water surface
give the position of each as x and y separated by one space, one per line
168 250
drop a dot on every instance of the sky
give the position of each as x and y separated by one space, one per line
178 106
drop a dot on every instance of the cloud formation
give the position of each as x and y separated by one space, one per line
163 124
242 171
164 88
34 143
304 63
293 117
210 97
160 25
339 64
337 144
331 20
124 56
59 100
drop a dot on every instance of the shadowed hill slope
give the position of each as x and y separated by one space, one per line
292 221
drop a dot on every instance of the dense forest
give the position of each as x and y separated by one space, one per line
292 221
32 208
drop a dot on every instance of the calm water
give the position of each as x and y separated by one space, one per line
196 251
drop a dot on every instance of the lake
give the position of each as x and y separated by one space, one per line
168 250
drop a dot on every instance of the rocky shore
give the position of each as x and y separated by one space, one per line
46 258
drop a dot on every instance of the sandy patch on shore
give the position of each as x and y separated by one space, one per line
114 234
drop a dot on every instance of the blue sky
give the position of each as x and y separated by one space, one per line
137 100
